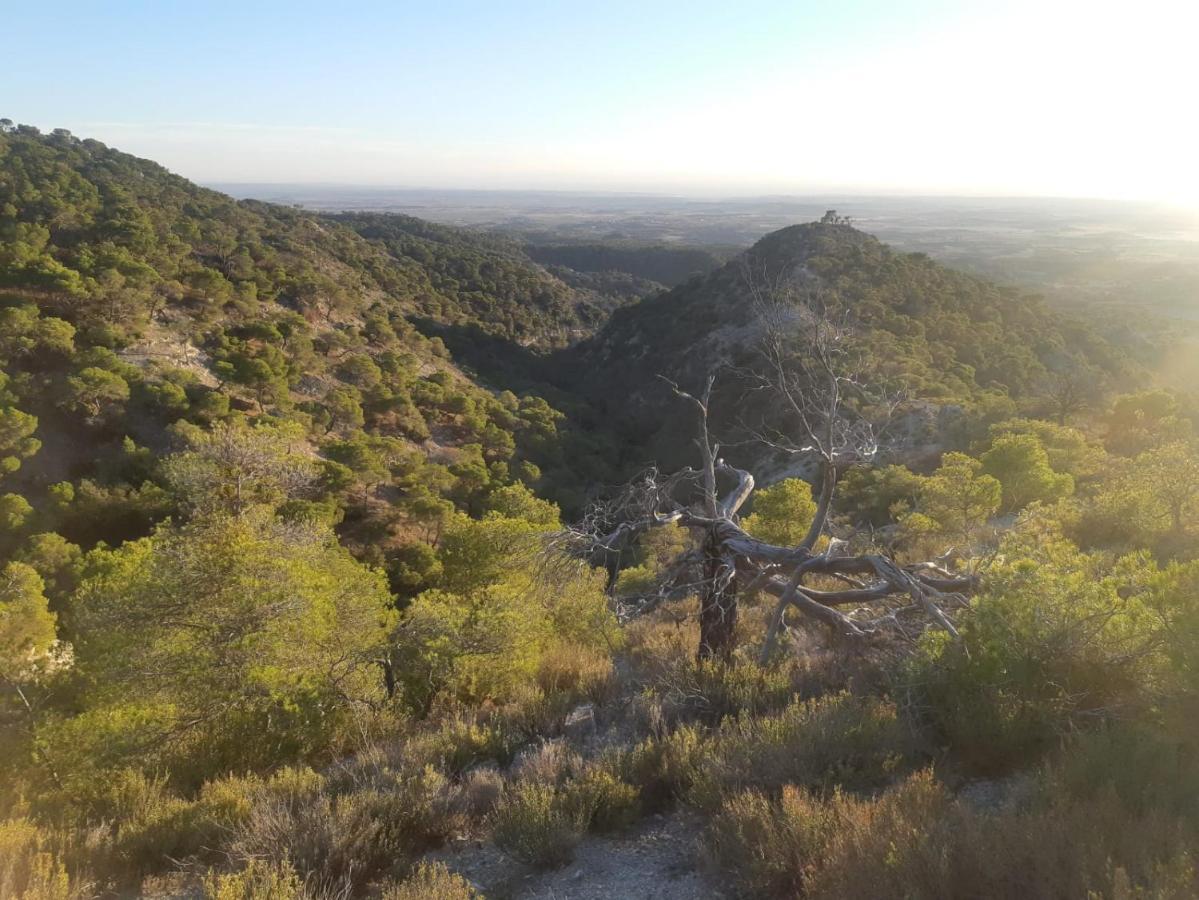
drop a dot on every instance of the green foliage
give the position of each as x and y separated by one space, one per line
29 867
302 324
14 514
16 438
955 500
1067 449
465 282
55 559
664 264
232 467
98 394
210 388
1141 421
1151 501
432 881
89 512
534 824
782 512
261 666
1173 596
931 332
1020 463
601 798
1054 640
27 632
482 634
259 880
878 495
515 501
413 567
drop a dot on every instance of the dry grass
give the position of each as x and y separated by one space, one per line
478 793
340 841
432 882
554 798
533 825
580 673
917 841
32 867
676 687
842 739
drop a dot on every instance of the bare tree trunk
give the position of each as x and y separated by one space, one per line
811 366
828 484
718 602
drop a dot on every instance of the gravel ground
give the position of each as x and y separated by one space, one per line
657 860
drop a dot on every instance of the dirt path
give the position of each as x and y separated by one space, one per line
657 860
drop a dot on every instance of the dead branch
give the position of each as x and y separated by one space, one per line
827 413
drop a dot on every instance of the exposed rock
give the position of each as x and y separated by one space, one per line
580 724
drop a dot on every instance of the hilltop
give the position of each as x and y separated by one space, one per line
925 331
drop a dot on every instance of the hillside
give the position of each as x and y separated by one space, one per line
484 281
659 263
299 601
925 332
134 300
82 219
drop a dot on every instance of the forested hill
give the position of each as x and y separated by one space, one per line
85 223
139 311
294 605
924 331
659 263
485 281
174 298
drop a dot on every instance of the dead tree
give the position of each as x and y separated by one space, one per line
824 416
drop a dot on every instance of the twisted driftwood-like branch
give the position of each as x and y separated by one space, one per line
778 570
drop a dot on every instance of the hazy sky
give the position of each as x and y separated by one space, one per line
1056 97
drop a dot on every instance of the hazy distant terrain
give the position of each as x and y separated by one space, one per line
1071 250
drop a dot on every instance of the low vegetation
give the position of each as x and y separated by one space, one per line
295 605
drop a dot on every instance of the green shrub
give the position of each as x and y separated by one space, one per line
841 739
259 880
463 741
1150 770
916 840
602 798
578 672
770 846
1055 641
154 827
184 693
432 881
532 824
665 767
31 866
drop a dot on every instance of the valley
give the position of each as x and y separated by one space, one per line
414 544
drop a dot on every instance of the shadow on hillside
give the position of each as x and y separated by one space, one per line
497 361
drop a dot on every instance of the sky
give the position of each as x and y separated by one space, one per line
739 97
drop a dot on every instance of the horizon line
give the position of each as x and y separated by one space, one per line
681 195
